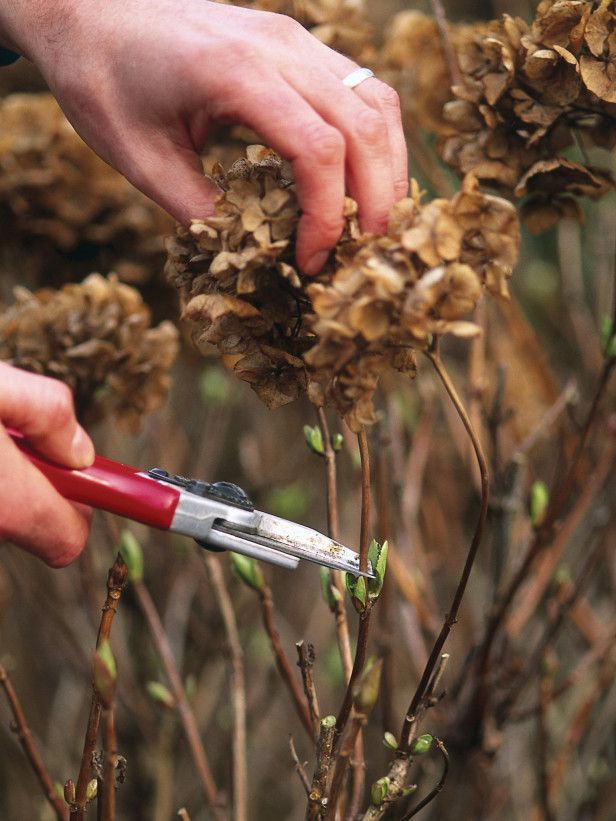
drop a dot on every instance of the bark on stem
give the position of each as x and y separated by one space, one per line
189 724
116 579
282 662
238 688
108 812
24 735
452 615
342 625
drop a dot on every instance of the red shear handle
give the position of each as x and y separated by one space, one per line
109 485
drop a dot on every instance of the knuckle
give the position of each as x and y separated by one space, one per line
390 99
325 144
370 127
58 407
326 226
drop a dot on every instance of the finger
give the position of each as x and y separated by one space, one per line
385 99
42 409
171 174
34 515
369 168
286 122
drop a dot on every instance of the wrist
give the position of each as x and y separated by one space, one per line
34 28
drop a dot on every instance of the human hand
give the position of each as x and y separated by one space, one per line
142 81
33 514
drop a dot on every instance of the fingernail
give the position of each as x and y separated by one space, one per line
316 262
82 449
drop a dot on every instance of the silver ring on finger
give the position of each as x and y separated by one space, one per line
356 77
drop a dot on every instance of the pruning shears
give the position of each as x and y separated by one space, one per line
218 516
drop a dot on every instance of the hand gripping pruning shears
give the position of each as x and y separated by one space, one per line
219 516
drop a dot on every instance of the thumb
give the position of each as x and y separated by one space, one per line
42 409
172 175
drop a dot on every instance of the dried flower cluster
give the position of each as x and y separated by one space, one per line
527 93
378 300
53 186
96 337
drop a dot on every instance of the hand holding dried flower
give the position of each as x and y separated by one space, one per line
33 514
144 96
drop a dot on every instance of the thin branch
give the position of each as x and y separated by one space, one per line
116 579
108 799
300 768
305 654
24 735
282 662
189 723
357 723
450 55
452 615
543 750
325 750
441 782
238 687
543 535
363 632
342 625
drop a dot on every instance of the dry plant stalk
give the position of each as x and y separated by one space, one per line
238 687
187 717
116 579
23 733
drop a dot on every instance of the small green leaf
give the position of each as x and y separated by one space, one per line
314 439
91 790
377 554
247 570
422 745
327 722
562 575
379 790
104 674
538 501
159 692
131 552
389 741
330 592
337 441
366 691
406 791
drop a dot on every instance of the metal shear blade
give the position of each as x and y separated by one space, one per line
296 540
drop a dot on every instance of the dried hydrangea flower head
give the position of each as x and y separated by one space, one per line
378 300
53 186
96 337
527 93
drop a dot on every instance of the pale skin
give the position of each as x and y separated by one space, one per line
142 81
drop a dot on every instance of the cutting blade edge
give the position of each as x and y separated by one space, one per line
302 542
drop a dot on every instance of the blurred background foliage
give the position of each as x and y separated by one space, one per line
539 354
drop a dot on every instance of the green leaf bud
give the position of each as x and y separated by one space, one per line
538 501
337 441
91 789
314 439
247 570
366 691
131 552
159 692
69 791
377 554
422 745
330 592
379 790
104 674
389 741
